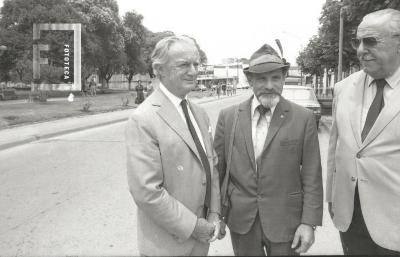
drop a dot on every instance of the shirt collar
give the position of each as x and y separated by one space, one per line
255 103
393 80
176 101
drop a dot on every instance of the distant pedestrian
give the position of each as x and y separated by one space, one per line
92 87
234 88
224 89
219 88
229 89
84 88
139 93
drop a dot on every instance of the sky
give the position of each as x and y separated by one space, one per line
233 28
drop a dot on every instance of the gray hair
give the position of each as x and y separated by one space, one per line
392 16
160 52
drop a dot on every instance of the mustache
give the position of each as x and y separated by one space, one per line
267 92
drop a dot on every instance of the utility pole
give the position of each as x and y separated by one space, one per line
340 65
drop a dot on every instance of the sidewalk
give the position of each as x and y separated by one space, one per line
15 136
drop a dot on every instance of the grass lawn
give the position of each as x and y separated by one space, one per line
21 112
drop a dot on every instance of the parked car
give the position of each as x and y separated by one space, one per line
305 97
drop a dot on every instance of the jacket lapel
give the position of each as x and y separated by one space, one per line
171 116
355 102
387 114
244 120
277 119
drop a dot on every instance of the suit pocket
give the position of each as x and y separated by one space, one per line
289 146
287 142
295 200
296 194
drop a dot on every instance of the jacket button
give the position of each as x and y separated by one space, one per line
353 178
358 155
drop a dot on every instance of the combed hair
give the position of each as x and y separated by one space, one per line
391 15
160 52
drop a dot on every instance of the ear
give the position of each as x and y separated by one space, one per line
158 69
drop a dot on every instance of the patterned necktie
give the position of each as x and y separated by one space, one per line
203 156
261 130
375 108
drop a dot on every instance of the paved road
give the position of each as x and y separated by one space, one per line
68 196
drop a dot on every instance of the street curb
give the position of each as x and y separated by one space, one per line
58 133
68 131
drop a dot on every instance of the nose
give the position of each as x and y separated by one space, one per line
361 49
193 69
269 84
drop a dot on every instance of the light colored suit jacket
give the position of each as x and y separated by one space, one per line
373 164
286 189
166 177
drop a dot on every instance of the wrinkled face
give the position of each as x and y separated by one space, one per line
179 73
382 59
268 86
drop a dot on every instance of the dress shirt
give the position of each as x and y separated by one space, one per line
176 102
255 115
370 91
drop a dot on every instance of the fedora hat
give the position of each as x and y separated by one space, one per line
266 59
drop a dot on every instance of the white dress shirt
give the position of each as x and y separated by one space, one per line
176 102
370 91
255 115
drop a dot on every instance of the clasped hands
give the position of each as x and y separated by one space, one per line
208 230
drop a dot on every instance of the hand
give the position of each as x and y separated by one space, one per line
203 230
305 236
213 218
330 209
222 231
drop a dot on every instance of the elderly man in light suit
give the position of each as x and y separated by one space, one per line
269 164
170 159
363 181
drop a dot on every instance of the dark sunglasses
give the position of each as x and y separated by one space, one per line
367 42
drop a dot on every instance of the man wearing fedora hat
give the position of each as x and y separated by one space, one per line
269 165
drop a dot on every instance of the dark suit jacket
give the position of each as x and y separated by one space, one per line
287 188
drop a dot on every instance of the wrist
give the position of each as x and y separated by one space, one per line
314 227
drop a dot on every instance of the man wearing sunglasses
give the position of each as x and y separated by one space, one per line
363 181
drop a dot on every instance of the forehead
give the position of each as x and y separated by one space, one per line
373 27
183 51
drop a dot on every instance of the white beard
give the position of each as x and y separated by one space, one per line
269 100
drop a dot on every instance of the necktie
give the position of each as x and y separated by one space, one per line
375 108
202 153
261 130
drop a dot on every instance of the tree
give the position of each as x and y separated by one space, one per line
16 22
328 34
134 43
103 39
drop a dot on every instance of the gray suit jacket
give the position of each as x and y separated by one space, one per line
372 164
287 188
166 177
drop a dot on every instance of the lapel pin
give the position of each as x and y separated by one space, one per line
282 116
180 168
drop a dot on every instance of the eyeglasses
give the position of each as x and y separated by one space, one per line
367 42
